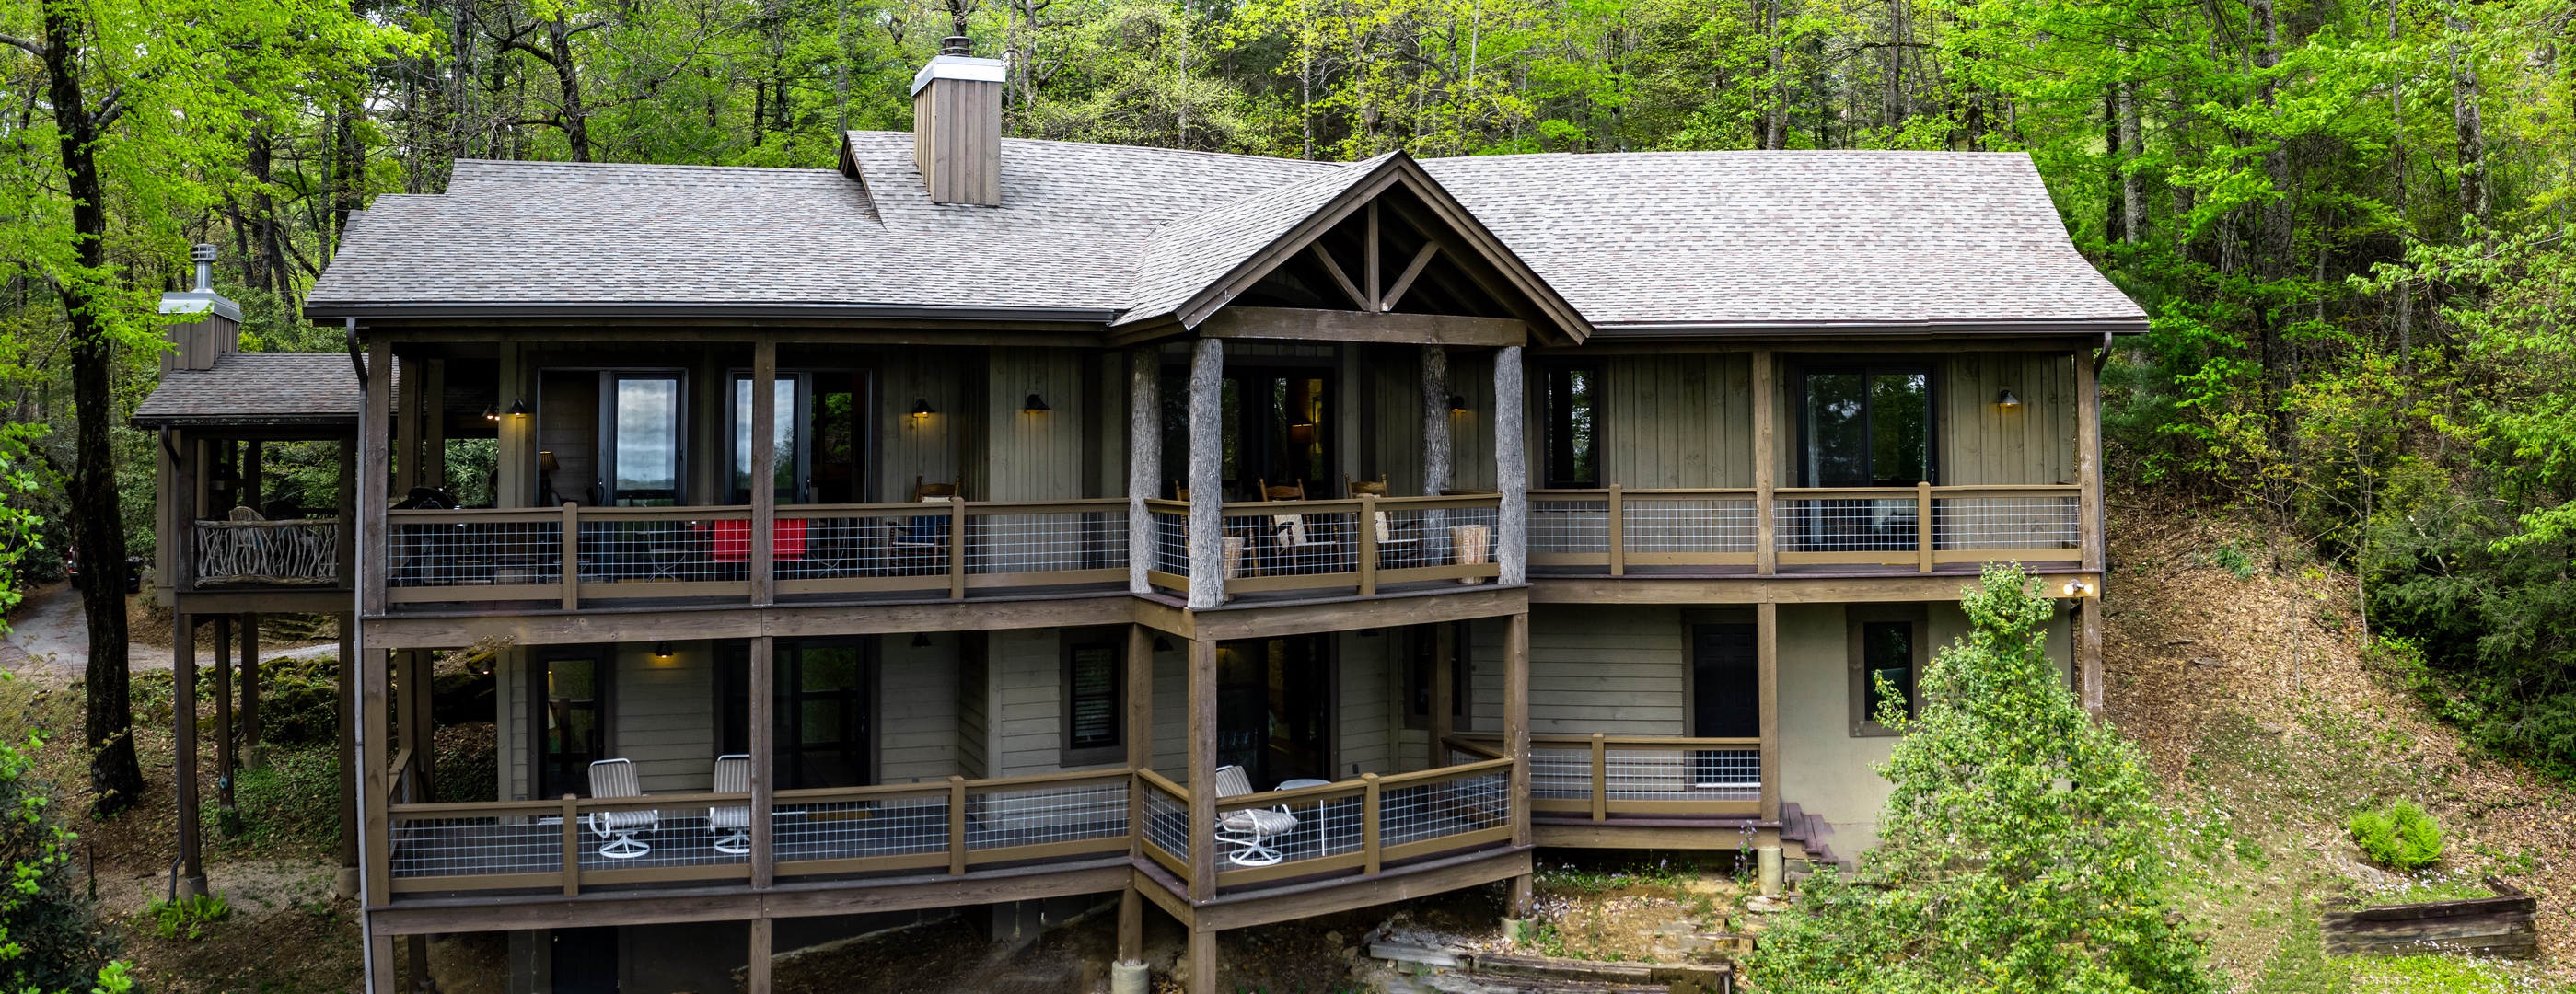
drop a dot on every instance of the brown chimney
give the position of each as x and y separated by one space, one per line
957 126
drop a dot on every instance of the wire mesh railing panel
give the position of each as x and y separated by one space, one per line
1171 542
1046 543
672 838
476 846
302 551
1846 525
1683 525
474 553
1167 822
619 551
1305 543
1569 527
1451 536
1419 812
2034 522
1560 774
1031 816
909 826
834 546
1682 774
1296 831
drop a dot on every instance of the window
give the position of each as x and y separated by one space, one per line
1573 432
786 413
569 693
1422 649
1094 694
821 706
641 414
1866 426
1887 653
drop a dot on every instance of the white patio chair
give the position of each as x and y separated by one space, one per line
611 779
732 826
1249 830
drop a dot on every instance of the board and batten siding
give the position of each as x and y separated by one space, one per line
1032 456
1683 420
1395 422
917 726
1987 444
923 448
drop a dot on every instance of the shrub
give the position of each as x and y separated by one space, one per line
2021 849
49 934
294 800
299 700
187 917
2401 838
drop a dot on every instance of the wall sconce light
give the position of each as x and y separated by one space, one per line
1034 405
519 408
491 412
2079 588
2007 400
1457 404
921 640
661 650
1162 644
921 409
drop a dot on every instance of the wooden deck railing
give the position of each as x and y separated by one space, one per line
572 555
1360 824
300 552
956 824
1603 775
1919 526
1362 543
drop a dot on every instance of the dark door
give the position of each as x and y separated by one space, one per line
1863 426
570 720
1276 430
822 711
585 960
1273 709
1726 703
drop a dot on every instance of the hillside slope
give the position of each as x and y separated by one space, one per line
2245 677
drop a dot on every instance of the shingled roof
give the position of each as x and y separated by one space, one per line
280 389
1638 243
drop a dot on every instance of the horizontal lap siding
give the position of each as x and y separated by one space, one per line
1610 670
666 716
1365 707
917 725
974 704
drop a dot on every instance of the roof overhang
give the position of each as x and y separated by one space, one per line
1912 329
822 310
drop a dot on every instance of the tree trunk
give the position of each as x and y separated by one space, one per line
576 117
2133 142
107 728
2464 116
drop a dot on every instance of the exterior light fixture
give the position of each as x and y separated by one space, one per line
661 650
1034 405
2006 399
519 408
491 412
2079 588
922 409
921 640
1457 404
1162 644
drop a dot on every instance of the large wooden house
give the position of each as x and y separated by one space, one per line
991 522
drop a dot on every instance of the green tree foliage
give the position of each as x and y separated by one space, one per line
2021 848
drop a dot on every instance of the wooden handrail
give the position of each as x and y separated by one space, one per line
1161 783
401 762
1619 740
1473 748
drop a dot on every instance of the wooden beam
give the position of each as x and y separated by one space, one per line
514 451
1412 271
1766 465
1207 476
346 883
183 687
281 600
764 765
1766 640
641 624
1615 835
1203 965
408 383
1795 588
764 472
225 761
252 755
372 426
1139 729
1325 325
1202 770
1334 269
756 968
796 899
376 869
433 425
1376 279
1516 720
1444 690
1131 925
1269 906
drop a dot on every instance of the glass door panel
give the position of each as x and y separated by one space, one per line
569 724
785 437
1274 709
643 424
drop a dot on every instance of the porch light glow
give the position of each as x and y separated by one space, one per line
491 412
519 408
2078 588
1034 405
921 409
661 650
1457 404
2007 400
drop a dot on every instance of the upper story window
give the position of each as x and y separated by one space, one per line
790 445
1866 426
816 430
1573 434
641 412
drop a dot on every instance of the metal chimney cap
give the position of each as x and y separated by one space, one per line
201 252
955 45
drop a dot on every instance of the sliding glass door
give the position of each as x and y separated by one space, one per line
1862 426
640 422
822 710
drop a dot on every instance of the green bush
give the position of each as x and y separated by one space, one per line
187 917
299 700
292 801
2402 837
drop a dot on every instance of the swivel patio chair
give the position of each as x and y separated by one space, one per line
612 779
1249 830
732 826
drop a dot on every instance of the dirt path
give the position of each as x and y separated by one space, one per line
48 640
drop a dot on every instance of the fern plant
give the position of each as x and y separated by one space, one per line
2402 837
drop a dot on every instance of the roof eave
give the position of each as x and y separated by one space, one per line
342 310
1751 329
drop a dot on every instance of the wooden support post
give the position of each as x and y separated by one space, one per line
956 825
420 716
188 489
1618 528
1600 777
253 756
570 568
433 425
763 695
1207 479
756 963
1923 526
1511 468
347 561
407 387
1203 979
254 467
1516 720
1766 466
1368 545
571 845
345 884
226 815
2089 525
1131 926
380 963
764 475
1372 826
373 742
1436 443
416 964
1144 461
1444 691
372 428
1202 771
1139 730
2088 652
183 692
1516 903
957 547
1766 641
514 452
1376 282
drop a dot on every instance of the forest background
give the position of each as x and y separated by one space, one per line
2348 219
